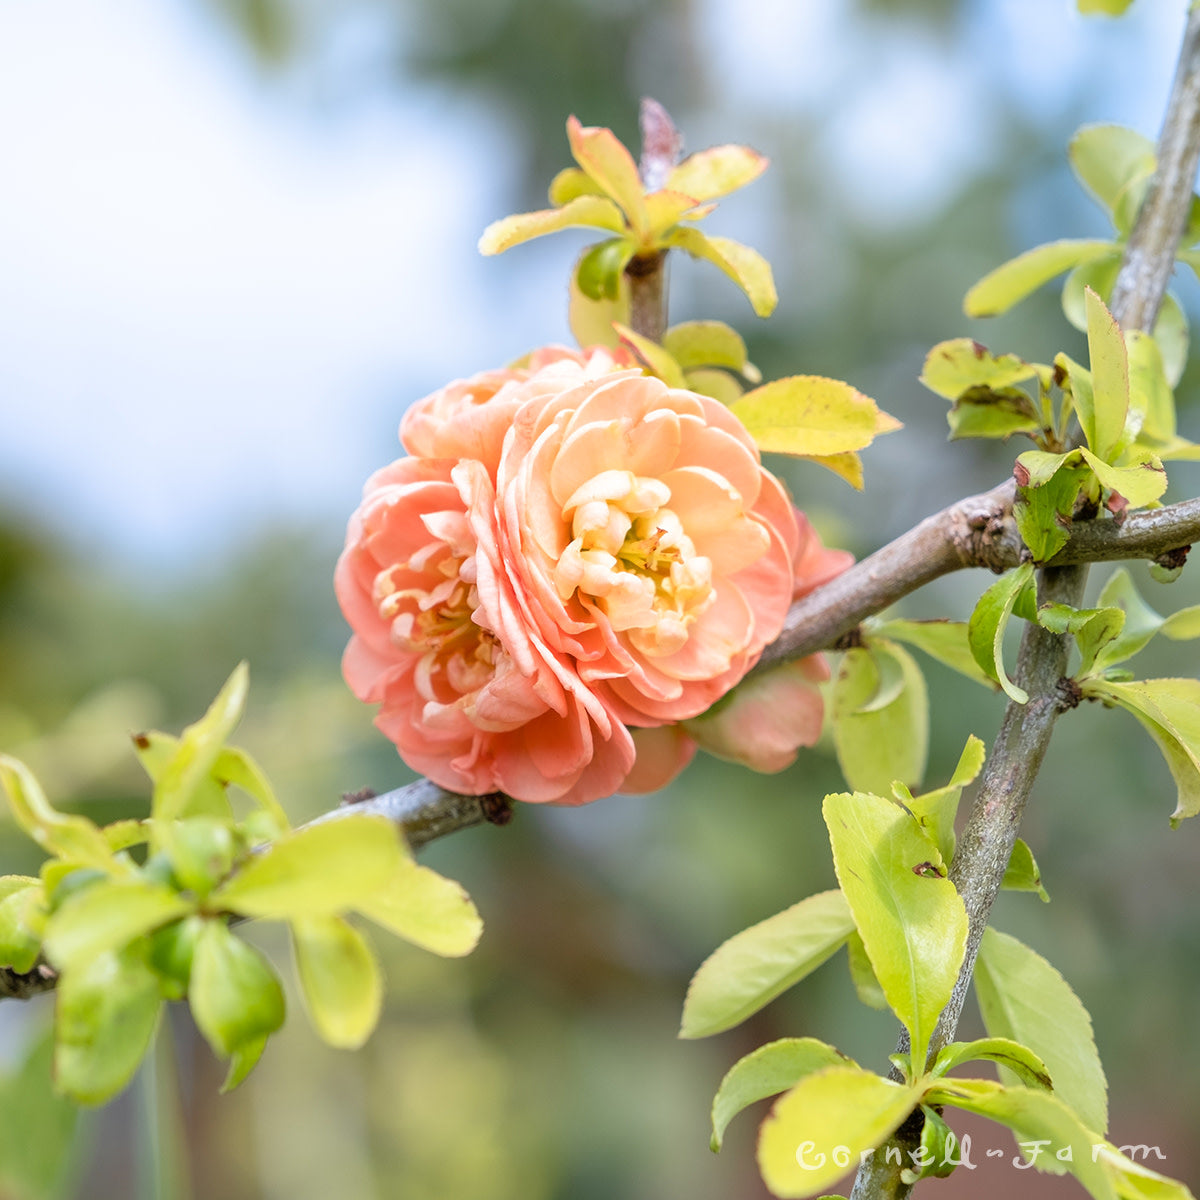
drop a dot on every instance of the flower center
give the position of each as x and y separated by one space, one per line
458 656
630 558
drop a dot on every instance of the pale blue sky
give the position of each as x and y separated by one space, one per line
217 295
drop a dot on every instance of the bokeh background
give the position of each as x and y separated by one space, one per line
237 239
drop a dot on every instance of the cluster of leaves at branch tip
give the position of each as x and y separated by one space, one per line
127 933
808 416
905 928
1116 166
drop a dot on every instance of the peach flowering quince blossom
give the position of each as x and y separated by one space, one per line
573 552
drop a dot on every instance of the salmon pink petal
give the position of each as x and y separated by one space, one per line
662 752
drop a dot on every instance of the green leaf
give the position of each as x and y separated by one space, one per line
234 994
339 975
716 172
426 909
941 639
1036 468
1107 158
747 268
600 269
936 1154
1044 513
170 951
320 870
753 967
961 364
705 344
1022 873
815 1133
68 836
935 811
984 413
1169 709
1105 425
1022 997
877 744
808 415
1045 1127
666 208
108 916
1150 393
988 622
591 211
603 157
652 357
242 1061
770 1069
22 920
999 290
105 1017
862 974
197 751
1019 1060
911 919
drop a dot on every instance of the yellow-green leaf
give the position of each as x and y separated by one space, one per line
666 208
808 415
718 171
108 916
749 970
911 919
591 211
815 1133
1110 379
1151 399
1107 158
1053 1135
233 766
424 908
1022 873
22 919
847 466
234 994
711 381
68 836
189 767
155 750
1000 289
705 344
603 157
881 732
770 1069
746 267
571 183
941 639
989 621
652 356
105 1017
960 364
1022 997
339 975
1140 483
591 320
320 870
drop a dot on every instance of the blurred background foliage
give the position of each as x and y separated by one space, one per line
546 1065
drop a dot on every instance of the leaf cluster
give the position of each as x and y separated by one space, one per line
127 933
905 929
